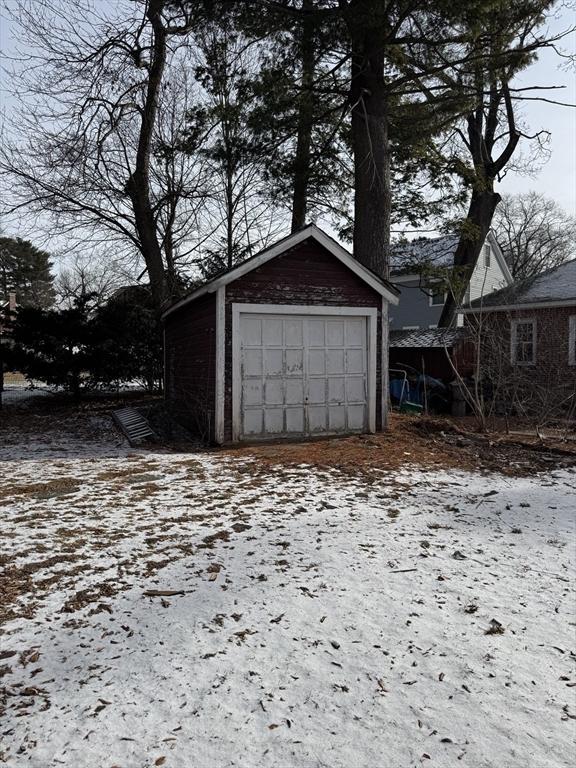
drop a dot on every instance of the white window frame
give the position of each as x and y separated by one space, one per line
514 336
572 340
431 298
370 313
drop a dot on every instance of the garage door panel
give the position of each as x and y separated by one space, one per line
336 389
355 332
252 331
316 362
317 391
317 421
294 392
252 362
253 421
274 392
337 418
303 375
355 390
356 416
274 362
294 332
274 421
335 336
355 361
294 362
252 392
295 420
316 332
335 361
273 332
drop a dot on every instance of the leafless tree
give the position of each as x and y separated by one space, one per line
534 233
96 275
490 134
93 110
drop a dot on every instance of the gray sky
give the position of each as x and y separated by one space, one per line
557 177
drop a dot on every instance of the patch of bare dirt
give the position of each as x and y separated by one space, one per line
430 443
47 490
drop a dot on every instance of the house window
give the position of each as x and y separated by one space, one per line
437 297
523 342
572 340
487 255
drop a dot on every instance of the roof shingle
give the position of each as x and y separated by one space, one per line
557 285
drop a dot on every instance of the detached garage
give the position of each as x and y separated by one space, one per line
291 343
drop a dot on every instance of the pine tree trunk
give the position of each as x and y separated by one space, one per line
305 118
370 142
372 197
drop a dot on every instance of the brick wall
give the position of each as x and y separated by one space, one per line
550 382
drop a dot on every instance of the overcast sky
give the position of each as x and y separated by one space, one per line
557 177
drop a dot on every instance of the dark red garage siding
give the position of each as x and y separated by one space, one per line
190 355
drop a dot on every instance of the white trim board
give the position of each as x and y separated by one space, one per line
572 340
384 363
497 251
370 313
382 287
220 361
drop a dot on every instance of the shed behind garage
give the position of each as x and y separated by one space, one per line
291 343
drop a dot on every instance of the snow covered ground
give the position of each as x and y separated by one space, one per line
318 620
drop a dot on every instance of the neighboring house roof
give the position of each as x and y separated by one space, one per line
438 251
381 286
408 258
426 337
555 287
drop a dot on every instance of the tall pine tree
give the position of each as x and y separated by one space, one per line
25 271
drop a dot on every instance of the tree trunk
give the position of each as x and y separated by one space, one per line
138 186
305 119
478 220
229 215
370 142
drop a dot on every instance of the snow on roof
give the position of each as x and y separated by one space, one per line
438 251
426 337
557 285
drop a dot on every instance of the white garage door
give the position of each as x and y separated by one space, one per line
303 375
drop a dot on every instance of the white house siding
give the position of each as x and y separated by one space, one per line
485 280
414 310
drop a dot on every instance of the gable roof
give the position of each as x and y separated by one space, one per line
555 287
407 258
311 231
438 251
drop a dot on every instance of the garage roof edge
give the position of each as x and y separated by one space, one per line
381 286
